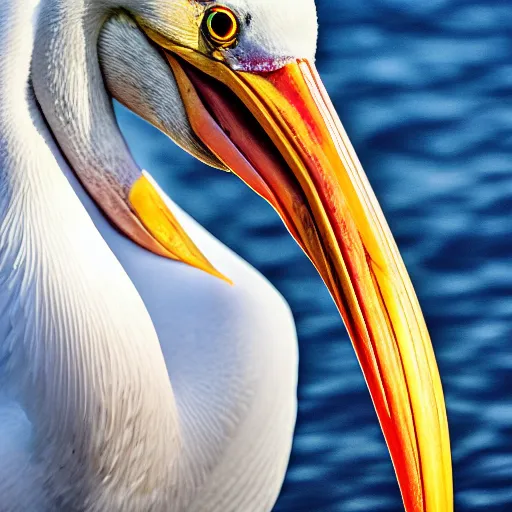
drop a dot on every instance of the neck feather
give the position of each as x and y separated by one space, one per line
82 354
69 87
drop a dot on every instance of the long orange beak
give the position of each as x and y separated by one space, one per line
280 134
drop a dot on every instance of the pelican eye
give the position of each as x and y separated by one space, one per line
221 27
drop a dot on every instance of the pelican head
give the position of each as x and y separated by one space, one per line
235 84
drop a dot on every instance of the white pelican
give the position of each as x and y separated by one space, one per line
133 382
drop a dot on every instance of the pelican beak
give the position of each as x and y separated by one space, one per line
151 224
280 134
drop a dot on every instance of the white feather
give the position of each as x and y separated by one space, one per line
130 383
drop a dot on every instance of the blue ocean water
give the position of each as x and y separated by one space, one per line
425 92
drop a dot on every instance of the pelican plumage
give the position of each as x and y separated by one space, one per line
143 365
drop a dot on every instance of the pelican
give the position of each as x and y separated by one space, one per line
143 365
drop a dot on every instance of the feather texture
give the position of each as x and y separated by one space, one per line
129 382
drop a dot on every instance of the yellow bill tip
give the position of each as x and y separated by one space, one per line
172 240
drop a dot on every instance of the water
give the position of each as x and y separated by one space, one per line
425 92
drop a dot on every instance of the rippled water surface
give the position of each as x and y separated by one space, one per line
425 91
